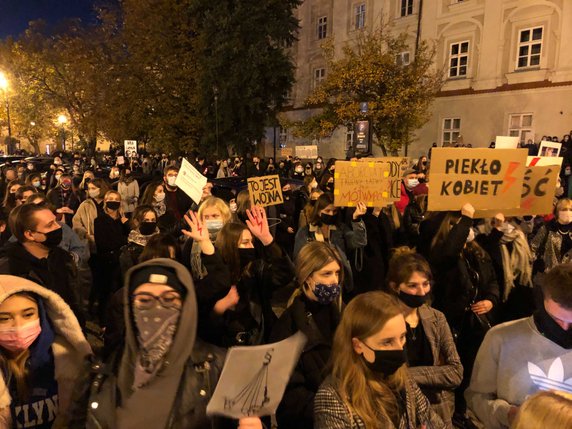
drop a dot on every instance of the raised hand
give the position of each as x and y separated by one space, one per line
250 423
228 302
468 210
258 224
198 231
361 209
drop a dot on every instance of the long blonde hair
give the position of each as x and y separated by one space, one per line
547 410
364 392
217 203
311 258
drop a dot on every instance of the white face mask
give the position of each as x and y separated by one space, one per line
412 183
471 235
507 228
93 193
565 217
233 207
159 197
171 181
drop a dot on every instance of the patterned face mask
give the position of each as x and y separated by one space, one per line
326 294
156 328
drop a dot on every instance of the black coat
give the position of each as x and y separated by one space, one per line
57 272
456 286
272 270
318 323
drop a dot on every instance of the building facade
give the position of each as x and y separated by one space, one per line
508 65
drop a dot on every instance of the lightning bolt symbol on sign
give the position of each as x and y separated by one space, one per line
508 178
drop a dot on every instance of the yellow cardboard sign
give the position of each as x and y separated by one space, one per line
374 181
489 179
265 191
538 190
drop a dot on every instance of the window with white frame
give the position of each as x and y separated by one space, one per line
529 47
283 135
402 59
406 7
322 28
319 76
360 16
521 125
451 131
459 59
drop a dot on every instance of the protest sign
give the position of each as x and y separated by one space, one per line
537 161
506 142
549 148
265 191
286 152
538 189
191 181
307 152
374 181
130 148
254 378
486 178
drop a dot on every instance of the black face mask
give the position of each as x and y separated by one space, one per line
113 205
413 301
328 219
246 256
386 362
147 228
53 238
552 330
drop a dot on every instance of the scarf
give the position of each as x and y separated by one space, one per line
160 207
136 237
516 263
156 328
197 268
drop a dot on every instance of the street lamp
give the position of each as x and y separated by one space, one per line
4 87
62 119
215 91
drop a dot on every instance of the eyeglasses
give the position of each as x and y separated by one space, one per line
146 300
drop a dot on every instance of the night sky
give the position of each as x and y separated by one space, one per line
15 14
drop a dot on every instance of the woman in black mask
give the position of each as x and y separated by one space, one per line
433 360
144 226
315 310
243 274
110 231
325 225
370 386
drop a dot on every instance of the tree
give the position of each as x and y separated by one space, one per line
242 56
398 96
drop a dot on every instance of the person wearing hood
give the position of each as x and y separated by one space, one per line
164 375
128 188
42 350
37 256
144 226
64 199
434 363
236 309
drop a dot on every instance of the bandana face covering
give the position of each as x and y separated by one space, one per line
156 328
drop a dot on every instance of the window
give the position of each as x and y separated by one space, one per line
402 59
322 27
451 131
319 76
406 7
360 16
458 59
520 125
529 47
283 136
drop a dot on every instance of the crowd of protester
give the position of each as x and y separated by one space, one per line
413 319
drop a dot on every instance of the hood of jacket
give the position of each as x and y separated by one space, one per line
69 337
159 392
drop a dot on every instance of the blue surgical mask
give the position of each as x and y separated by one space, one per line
214 225
326 294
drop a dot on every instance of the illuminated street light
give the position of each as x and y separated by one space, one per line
4 87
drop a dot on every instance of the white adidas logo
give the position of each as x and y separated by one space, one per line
554 380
